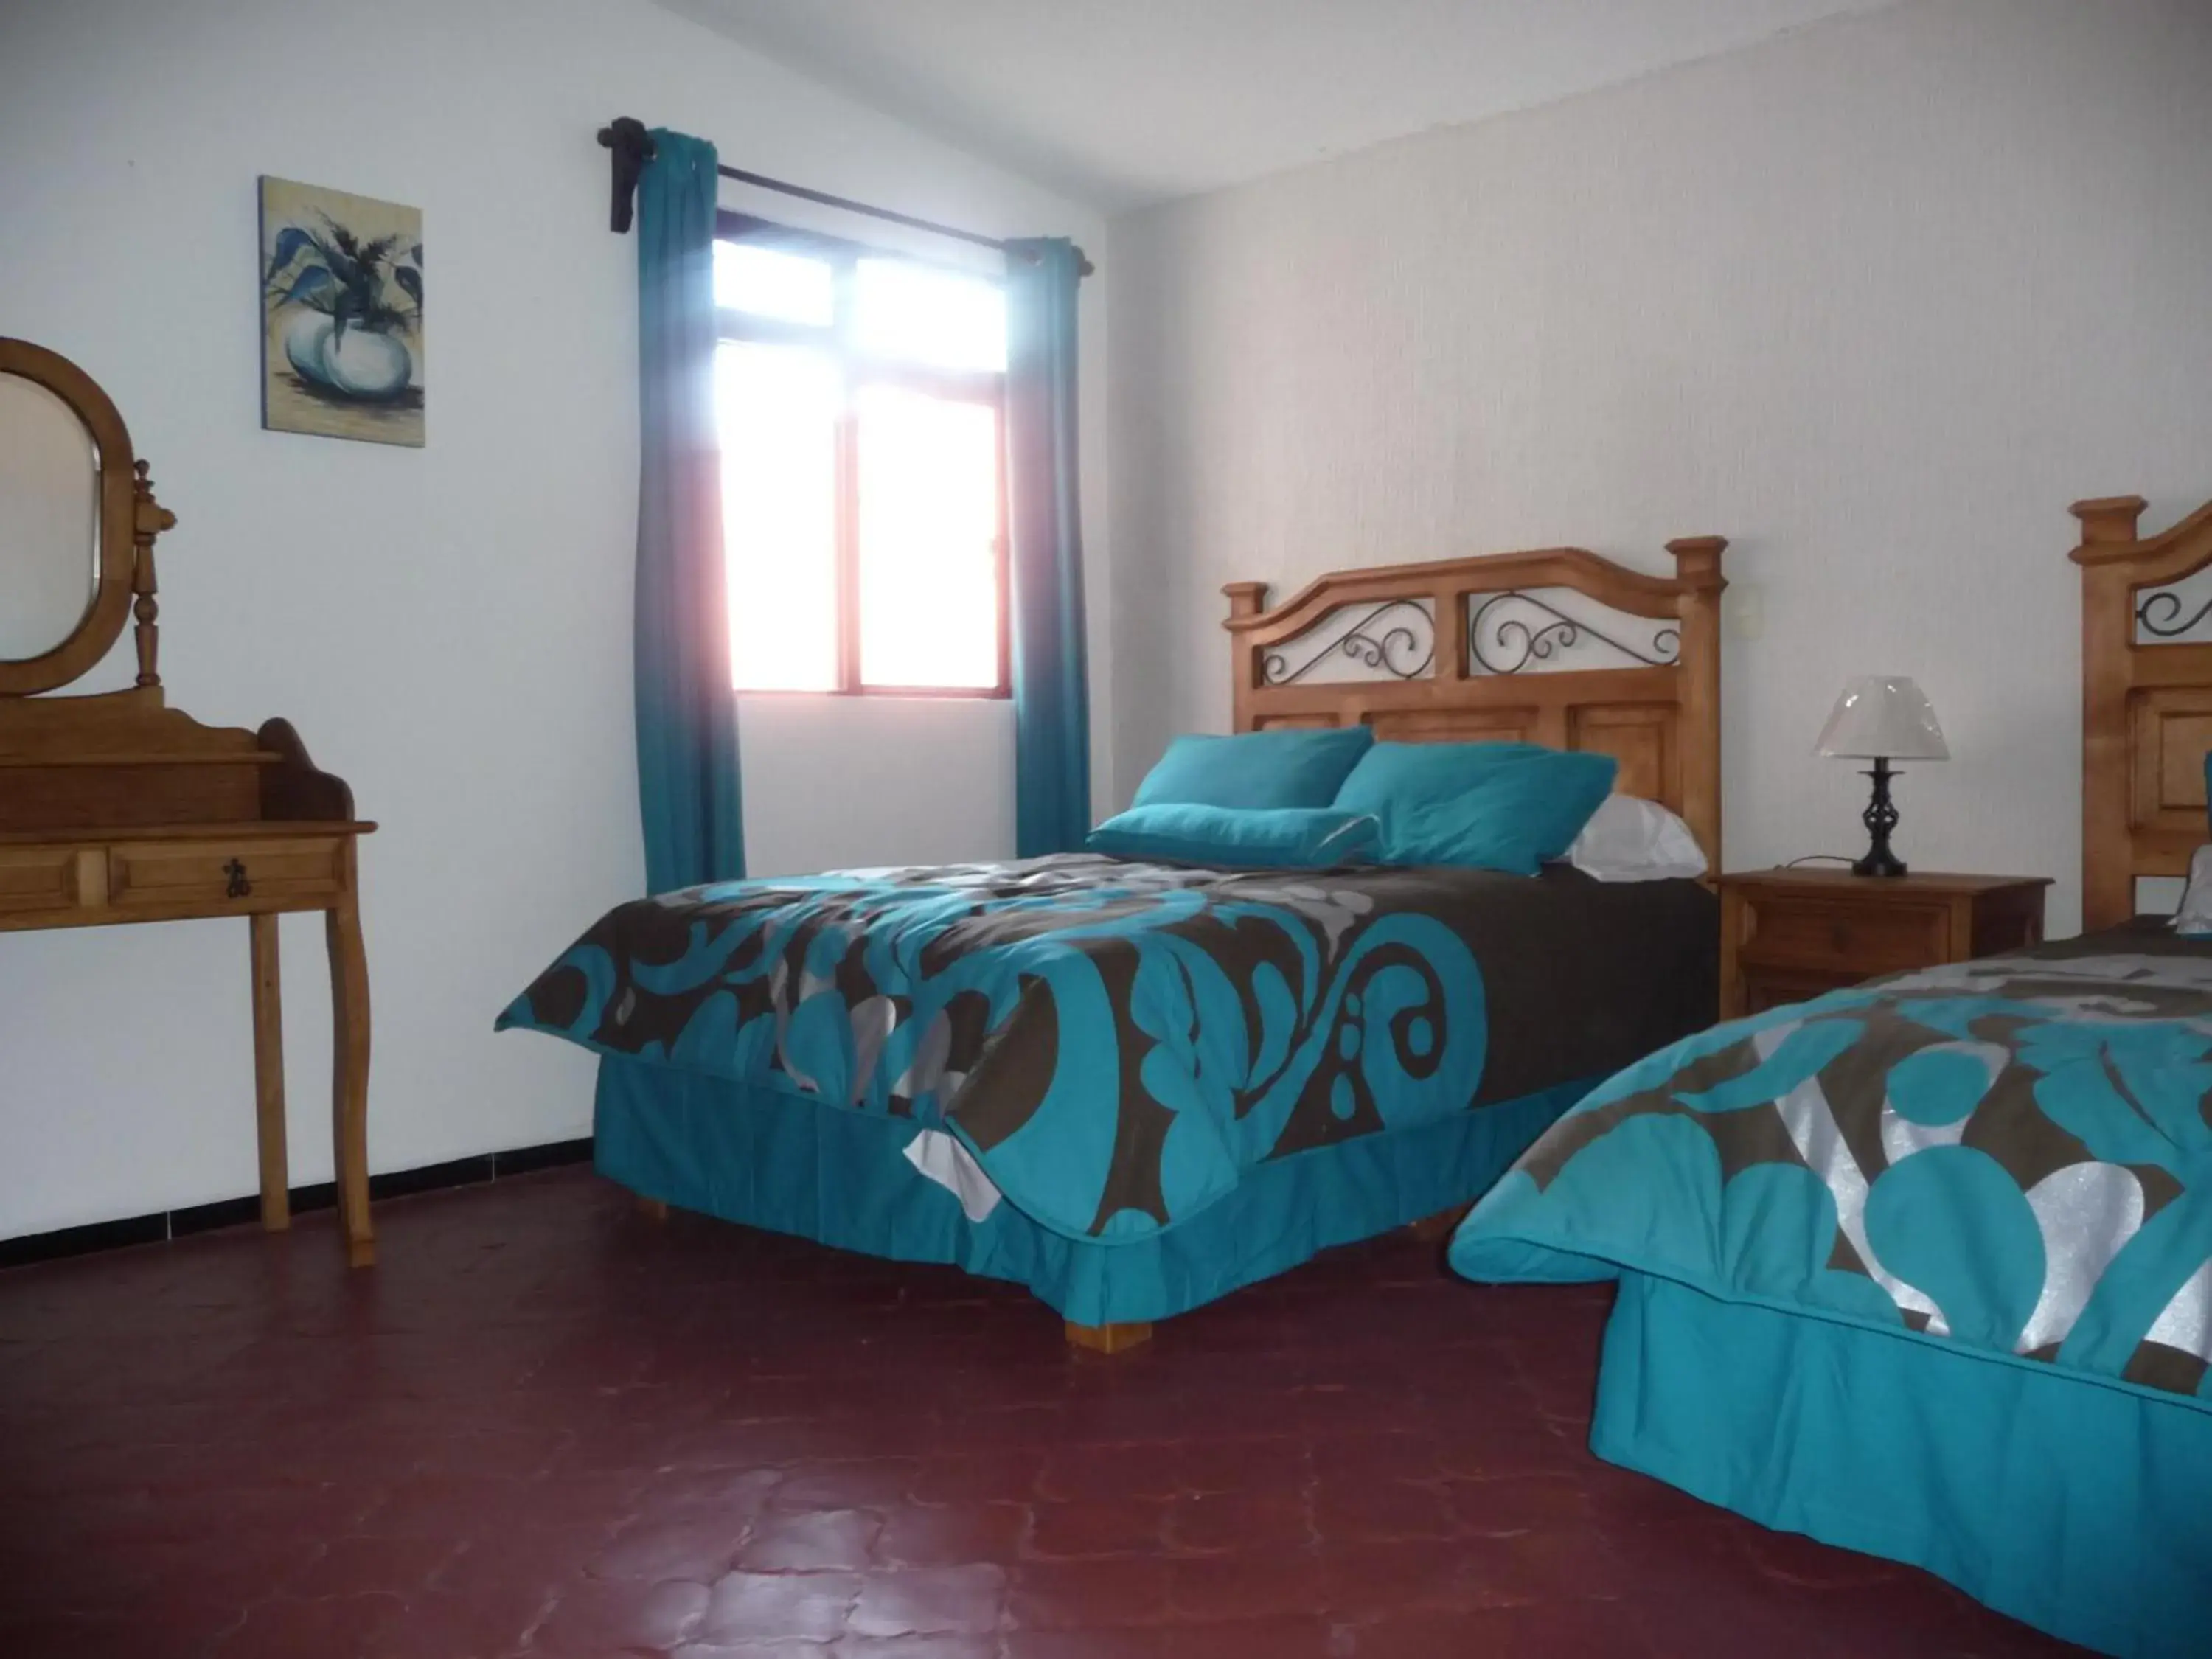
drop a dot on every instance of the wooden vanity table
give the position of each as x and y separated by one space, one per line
116 808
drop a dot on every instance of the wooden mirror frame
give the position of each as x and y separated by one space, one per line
130 519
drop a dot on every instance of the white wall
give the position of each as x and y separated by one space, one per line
449 627
1875 301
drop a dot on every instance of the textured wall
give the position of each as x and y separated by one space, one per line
449 627
1875 301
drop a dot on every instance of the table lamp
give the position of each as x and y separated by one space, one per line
1881 718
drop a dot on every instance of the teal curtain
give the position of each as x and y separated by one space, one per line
1052 704
687 723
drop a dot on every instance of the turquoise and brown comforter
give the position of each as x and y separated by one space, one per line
2014 1154
1114 1042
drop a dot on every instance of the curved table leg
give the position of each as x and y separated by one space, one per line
349 1076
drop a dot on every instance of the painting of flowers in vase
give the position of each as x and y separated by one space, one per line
342 315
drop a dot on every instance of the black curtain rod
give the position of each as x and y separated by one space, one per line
632 146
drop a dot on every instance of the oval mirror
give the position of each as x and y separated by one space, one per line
50 544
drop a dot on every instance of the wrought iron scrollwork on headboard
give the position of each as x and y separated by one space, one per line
1398 637
1508 643
2157 613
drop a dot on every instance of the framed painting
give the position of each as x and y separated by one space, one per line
342 315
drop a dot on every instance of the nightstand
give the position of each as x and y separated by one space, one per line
1787 934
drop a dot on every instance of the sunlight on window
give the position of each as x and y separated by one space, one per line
770 282
777 407
929 316
858 399
929 528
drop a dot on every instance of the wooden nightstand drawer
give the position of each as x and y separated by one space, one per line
1775 987
1792 933
1789 934
252 874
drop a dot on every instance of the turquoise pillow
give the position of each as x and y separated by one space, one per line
1393 778
1263 838
1505 807
1291 768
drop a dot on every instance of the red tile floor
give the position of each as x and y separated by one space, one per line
547 1425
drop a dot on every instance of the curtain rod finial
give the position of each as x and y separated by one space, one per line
633 147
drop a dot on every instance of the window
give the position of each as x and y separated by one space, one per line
859 398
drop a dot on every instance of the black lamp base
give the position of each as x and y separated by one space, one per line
1879 818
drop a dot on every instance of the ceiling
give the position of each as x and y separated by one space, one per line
1120 103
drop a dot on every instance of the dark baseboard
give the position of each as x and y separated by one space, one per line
476 1171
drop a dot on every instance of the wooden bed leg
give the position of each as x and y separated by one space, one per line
653 1209
1434 1229
1109 1339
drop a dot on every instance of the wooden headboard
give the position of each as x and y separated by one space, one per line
1493 649
2146 703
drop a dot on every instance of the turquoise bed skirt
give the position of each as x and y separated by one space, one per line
769 1159
2083 1510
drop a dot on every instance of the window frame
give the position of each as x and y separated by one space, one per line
856 369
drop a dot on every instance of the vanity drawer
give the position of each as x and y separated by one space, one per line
1871 939
35 878
148 875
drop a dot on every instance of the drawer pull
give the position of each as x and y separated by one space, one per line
239 886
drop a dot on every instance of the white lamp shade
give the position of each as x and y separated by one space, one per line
1883 716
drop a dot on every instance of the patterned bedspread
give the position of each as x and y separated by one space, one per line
2014 1154
1115 1041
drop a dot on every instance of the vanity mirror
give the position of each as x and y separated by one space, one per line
49 519
115 807
74 513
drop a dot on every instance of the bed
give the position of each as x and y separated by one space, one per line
1135 1086
1923 1268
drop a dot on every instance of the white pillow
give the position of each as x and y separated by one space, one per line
2194 918
1631 839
